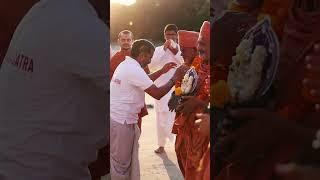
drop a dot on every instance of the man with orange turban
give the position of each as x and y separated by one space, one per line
191 144
188 45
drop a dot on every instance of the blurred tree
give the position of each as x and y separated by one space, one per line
148 17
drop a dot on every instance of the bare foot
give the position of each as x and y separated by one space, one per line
160 150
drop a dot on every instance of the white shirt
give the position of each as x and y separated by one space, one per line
127 94
159 59
53 91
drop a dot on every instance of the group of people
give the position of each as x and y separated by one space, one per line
280 140
130 79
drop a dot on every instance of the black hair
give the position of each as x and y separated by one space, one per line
171 27
141 45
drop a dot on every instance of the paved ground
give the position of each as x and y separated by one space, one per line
153 166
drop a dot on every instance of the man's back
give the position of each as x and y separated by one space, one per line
53 86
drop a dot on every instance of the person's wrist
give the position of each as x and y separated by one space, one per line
173 80
161 71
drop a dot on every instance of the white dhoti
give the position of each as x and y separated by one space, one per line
165 122
164 117
124 150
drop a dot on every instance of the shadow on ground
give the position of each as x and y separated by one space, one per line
170 166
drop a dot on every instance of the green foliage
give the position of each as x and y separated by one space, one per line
150 16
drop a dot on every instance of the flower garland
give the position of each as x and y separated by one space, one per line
196 65
203 72
220 89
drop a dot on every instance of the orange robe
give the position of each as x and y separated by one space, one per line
190 145
204 168
292 103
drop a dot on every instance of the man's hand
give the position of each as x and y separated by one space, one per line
262 131
190 104
166 45
180 72
167 67
203 124
296 172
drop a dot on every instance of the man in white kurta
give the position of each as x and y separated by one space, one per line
126 100
162 55
127 92
53 91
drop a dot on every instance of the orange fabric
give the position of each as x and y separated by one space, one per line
196 63
188 39
116 60
190 144
204 168
278 12
205 30
292 104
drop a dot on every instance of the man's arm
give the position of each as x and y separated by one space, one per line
163 70
159 92
155 75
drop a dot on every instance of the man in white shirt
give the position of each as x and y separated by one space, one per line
127 96
53 91
168 52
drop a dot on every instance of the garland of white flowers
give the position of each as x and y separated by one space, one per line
189 81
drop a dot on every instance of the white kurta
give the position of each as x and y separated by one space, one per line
165 118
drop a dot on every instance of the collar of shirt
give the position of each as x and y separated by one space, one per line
130 59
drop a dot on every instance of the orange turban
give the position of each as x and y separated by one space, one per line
205 30
188 39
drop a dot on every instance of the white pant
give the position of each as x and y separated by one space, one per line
124 151
165 122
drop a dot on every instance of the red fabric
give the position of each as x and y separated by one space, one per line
116 60
300 32
205 30
190 144
204 169
188 39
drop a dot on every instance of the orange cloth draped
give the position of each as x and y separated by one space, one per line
204 168
300 31
190 145
114 62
